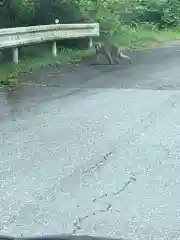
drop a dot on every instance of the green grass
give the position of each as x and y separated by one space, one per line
9 71
153 37
144 36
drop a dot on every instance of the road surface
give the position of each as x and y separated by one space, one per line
89 149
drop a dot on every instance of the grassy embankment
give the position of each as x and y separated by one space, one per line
142 37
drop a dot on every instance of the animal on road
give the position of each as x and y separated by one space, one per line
108 50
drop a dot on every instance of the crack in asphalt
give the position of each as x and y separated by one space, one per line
105 158
57 180
126 184
53 197
124 187
77 225
107 155
79 221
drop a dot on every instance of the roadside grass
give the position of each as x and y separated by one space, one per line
153 37
140 37
9 72
144 36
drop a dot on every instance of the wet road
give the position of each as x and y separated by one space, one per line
94 150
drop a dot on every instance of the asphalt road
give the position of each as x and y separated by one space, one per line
94 150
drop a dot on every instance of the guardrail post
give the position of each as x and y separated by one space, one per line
54 49
15 55
90 42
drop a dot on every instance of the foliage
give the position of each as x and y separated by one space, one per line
111 14
171 12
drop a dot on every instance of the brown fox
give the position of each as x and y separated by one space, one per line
108 50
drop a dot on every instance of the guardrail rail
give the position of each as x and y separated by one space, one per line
22 36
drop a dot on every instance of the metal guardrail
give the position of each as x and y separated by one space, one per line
22 36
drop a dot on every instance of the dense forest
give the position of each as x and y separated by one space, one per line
114 16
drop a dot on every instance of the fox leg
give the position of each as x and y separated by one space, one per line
109 57
98 56
123 56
